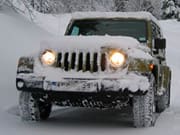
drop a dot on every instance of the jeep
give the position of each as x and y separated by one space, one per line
105 60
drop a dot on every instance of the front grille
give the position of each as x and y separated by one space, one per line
81 61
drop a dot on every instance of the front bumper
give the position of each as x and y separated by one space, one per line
84 92
131 82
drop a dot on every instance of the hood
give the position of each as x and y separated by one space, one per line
95 43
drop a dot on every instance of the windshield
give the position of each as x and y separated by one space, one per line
113 27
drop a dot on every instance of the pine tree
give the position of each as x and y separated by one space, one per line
153 6
1 2
177 3
169 9
147 6
121 5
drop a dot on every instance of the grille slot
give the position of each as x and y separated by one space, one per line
66 62
95 65
88 64
73 60
92 62
59 60
103 62
80 61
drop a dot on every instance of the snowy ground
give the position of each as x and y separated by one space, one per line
19 37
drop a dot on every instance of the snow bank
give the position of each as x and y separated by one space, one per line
54 24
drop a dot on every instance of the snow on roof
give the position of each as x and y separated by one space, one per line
65 19
125 15
91 15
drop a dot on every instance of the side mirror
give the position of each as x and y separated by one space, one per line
160 43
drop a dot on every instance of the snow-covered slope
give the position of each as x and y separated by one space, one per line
20 37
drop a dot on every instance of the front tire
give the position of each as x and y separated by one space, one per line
33 108
144 107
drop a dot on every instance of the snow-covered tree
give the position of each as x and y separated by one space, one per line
177 3
121 5
170 9
88 5
178 13
1 2
20 6
103 5
153 6
157 4
47 6
77 5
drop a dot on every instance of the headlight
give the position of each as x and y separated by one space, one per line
48 57
117 59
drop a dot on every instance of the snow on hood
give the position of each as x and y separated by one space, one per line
95 43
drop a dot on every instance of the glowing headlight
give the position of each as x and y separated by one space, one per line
48 57
117 59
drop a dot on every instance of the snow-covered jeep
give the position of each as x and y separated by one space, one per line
105 60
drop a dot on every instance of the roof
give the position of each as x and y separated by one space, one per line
124 15
93 15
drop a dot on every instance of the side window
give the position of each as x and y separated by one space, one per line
158 32
155 31
75 31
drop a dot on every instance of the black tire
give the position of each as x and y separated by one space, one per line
163 101
32 108
144 107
